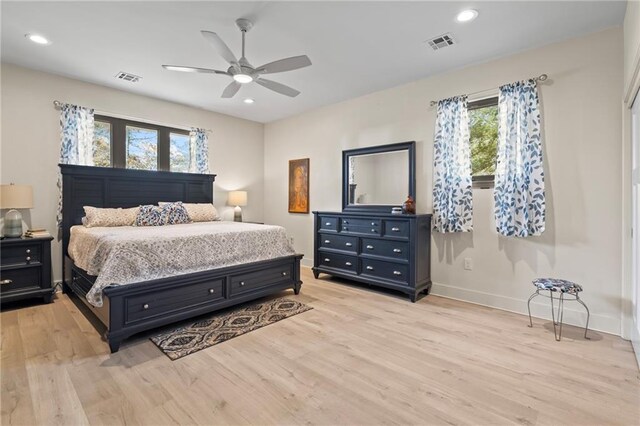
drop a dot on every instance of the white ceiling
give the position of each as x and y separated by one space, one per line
356 47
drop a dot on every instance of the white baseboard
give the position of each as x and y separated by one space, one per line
574 314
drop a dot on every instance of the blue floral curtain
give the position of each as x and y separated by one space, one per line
452 195
76 142
519 179
199 148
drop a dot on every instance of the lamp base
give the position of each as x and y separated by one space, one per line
13 224
237 214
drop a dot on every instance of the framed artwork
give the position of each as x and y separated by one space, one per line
299 186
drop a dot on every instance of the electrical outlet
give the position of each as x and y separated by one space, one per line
468 263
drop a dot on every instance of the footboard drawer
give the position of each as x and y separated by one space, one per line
277 275
174 299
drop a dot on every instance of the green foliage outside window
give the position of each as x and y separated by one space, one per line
102 144
483 129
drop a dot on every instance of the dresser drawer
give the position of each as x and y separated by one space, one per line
22 254
20 278
366 223
339 242
388 270
386 248
173 299
338 261
328 223
396 228
361 230
278 275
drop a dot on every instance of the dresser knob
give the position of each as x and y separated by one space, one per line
345 221
327 241
145 306
28 259
397 251
370 268
241 283
211 291
348 244
5 282
344 228
373 230
373 224
326 259
28 251
348 263
397 273
284 274
370 247
327 223
395 229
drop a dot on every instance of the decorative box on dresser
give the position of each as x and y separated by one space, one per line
379 249
25 269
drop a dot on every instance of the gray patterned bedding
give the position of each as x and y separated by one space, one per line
128 254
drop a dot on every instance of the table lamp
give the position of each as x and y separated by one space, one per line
237 199
15 197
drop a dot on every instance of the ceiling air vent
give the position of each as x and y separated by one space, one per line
441 41
128 77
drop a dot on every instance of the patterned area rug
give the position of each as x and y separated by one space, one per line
220 327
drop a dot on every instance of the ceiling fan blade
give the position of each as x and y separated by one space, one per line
231 89
220 46
277 87
193 69
288 64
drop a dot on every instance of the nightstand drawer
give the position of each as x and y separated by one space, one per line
20 278
22 254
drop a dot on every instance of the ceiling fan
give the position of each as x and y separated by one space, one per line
241 70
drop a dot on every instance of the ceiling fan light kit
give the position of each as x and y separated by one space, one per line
241 70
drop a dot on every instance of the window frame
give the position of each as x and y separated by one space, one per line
482 181
119 141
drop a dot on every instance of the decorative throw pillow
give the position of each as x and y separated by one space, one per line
199 212
150 215
175 213
95 216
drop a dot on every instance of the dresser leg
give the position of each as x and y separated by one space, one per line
413 297
114 345
48 298
296 289
316 274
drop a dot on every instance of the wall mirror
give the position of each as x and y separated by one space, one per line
377 178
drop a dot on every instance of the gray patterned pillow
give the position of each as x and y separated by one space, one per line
95 217
167 214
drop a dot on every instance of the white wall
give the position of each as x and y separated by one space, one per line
582 129
30 144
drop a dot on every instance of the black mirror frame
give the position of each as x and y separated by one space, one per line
410 147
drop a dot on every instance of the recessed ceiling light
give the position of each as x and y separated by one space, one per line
248 101
37 38
467 15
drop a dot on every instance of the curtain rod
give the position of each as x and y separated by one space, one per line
57 105
541 77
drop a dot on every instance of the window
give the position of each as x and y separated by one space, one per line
102 144
143 146
483 138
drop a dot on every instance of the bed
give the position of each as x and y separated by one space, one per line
145 300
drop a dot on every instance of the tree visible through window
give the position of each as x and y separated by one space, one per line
142 148
483 138
102 144
179 153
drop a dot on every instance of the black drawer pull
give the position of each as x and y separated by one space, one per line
5 282
327 224
348 244
145 306
397 251
211 291
370 268
348 263
326 259
394 229
284 274
241 283
327 241
28 251
370 247
397 273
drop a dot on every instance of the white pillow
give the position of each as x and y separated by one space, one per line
199 212
95 216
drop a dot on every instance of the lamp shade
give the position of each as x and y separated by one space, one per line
16 197
238 198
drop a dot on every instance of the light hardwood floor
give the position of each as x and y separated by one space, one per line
359 357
